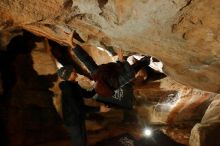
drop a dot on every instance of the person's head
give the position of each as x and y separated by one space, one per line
67 73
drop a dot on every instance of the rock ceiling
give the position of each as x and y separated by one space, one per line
184 35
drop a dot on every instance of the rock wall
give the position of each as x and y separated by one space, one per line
206 132
184 35
159 101
189 116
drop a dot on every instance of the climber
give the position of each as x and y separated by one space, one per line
73 107
111 76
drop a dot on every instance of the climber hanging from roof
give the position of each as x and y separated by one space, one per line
111 76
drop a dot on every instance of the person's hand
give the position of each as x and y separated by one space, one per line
104 109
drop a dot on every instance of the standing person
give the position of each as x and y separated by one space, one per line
73 107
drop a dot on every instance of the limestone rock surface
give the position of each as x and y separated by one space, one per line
206 132
184 35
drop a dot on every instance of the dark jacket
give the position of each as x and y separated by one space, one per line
111 76
74 111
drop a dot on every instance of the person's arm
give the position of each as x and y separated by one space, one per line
85 58
92 109
88 94
143 62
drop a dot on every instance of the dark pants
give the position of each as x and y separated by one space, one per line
73 113
77 134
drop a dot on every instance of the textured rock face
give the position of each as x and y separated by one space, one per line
168 102
206 132
159 101
179 107
184 35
